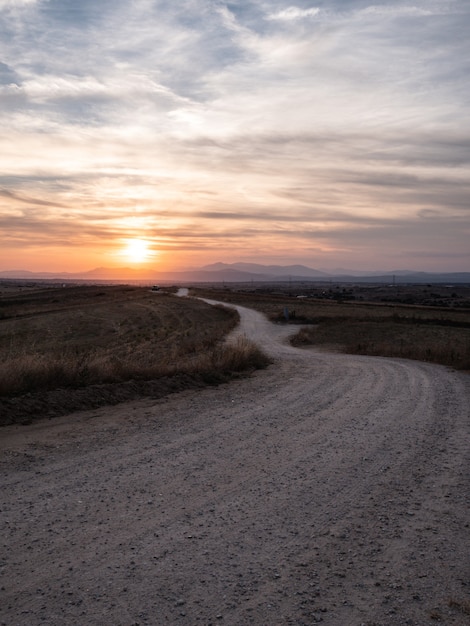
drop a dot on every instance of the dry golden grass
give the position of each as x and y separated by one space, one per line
78 336
438 335
422 342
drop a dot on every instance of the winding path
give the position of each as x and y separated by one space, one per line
328 488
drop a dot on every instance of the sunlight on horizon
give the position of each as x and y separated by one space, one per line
138 251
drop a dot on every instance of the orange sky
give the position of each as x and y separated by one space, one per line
270 133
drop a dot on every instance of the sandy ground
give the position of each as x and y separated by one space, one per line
328 488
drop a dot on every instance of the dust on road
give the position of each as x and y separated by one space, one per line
328 488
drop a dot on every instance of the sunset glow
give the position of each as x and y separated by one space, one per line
137 251
333 135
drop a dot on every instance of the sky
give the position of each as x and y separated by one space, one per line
170 135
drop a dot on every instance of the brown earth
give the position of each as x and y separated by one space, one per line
328 488
65 349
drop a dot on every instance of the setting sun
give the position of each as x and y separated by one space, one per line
137 251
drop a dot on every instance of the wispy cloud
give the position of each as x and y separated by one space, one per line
293 13
251 125
10 195
16 4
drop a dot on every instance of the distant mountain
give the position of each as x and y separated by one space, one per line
118 273
270 270
297 273
242 273
100 273
18 274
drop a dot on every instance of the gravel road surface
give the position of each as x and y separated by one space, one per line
326 489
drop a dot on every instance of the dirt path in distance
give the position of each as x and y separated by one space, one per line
329 488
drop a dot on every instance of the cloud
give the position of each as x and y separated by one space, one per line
230 118
16 4
397 10
293 13
27 200
8 76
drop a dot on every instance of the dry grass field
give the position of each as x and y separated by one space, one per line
76 338
425 333
64 348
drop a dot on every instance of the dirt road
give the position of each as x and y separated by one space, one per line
328 488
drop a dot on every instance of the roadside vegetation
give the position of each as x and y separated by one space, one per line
72 347
83 337
434 334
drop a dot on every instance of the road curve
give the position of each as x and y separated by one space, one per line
328 488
